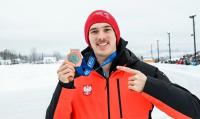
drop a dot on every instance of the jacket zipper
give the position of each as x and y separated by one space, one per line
108 97
119 99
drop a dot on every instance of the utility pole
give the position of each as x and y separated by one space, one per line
192 17
158 50
151 52
169 45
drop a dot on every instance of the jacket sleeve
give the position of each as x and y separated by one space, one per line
60 105
171 98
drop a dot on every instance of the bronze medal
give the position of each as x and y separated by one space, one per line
75 57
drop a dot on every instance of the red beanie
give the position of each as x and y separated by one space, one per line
101 16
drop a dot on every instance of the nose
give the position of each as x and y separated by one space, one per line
101 35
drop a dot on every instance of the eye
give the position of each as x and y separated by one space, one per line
107 29
94 31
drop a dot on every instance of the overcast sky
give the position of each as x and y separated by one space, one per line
58 25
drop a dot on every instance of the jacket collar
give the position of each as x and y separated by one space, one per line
125 56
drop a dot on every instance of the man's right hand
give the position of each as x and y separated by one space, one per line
66 72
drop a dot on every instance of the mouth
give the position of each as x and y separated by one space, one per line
102 44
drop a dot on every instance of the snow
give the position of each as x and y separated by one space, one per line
26 89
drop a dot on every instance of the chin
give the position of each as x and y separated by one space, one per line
103 54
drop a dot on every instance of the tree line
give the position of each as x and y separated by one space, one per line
34 56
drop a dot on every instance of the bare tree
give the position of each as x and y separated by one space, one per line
57 55
8 54
33 55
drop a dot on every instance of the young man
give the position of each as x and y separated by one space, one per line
112 83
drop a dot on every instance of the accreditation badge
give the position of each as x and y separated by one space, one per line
75 57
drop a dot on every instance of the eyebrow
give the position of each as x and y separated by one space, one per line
107 26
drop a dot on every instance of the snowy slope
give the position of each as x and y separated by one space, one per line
26 89
187 76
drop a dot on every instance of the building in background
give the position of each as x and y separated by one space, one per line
49 60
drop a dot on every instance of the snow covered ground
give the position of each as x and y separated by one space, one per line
26 89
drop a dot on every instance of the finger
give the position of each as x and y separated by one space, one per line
66 66
128 70
64 72
69 75
61 67
131 83
66 77
70 66
132 87
68 62
131 78
71 78
60 74
68 70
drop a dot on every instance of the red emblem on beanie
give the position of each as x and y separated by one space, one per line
101 16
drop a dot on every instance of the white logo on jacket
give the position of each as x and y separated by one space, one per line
87 89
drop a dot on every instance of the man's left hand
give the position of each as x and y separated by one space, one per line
137 79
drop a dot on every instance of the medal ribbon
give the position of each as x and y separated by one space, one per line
86 68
